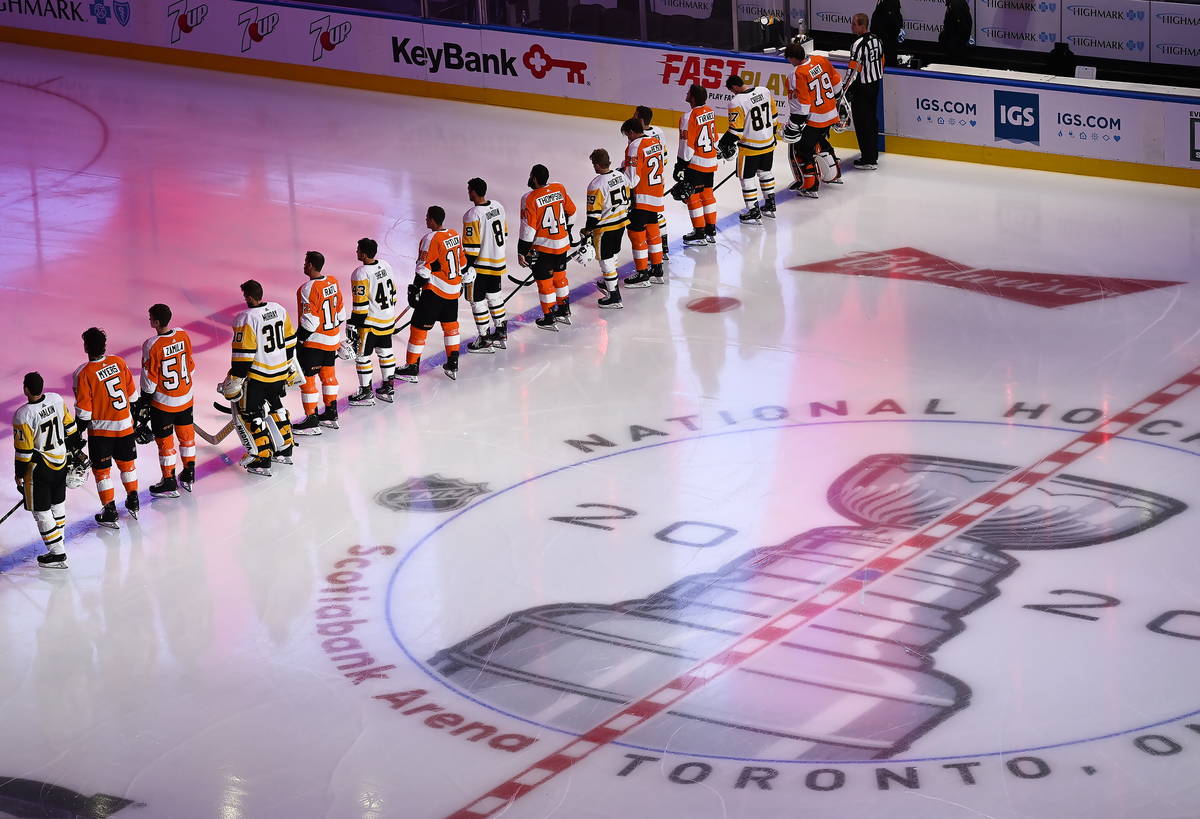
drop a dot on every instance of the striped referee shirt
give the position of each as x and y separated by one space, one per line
866 59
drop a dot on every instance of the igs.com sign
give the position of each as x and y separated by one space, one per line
1016 117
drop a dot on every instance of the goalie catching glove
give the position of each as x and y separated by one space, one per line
795 126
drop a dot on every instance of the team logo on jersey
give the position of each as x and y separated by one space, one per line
185 18
431 493
1038 289
27 797
256 26
327 36
540 64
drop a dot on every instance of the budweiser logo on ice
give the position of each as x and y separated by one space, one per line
1038 289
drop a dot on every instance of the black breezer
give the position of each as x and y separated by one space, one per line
103 448
163 422
432 309
313 359
750 165
44 487
485 285
371 341
547 264
700 180
608 243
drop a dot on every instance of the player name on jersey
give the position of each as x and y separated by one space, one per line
652 150
549 199
107 372
173 349
704 119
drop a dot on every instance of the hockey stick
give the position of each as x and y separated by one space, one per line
520 284
10 511
221 435
732 174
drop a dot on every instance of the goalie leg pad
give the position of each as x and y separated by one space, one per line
827 166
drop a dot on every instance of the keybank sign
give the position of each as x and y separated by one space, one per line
1016 117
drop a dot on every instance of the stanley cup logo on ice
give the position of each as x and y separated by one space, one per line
859 683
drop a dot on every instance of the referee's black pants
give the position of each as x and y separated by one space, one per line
864 106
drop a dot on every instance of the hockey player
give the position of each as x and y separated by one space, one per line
696 165
485 240
752 119
374 321
438 282
320 313
646 117
166 398
645 168
45 437
104 395
547 215
607 218
813 91
263 367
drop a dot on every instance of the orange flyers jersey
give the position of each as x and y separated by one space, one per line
698 139
321 311
441 263
167 368
546 218
645 167
103 390
814 89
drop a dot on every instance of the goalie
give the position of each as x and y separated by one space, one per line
263 367
814 92
49 448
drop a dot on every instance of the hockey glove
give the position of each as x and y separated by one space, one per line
680 170
795 126
414 295
231 387
727 147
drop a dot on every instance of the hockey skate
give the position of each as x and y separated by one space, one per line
450 368
409 373
259 466
363 398
609 301
187 476
639 279
547 322
656 274
329 418
768 207
108 516
166 488
809 194
753 216
311 425
562 313
483 344
386 391
52 561
499 338
284 456
710 233
132 504
695 238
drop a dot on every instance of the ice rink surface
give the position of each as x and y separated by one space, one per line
631 569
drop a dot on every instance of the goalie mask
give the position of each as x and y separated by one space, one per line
845 120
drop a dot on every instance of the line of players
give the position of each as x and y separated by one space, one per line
269 353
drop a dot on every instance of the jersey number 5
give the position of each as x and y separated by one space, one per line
113 386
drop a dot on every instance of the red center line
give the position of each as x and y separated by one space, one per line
804 611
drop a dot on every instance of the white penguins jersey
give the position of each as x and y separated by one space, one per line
608 202
41 429
653 131
752 116
485 238
375 296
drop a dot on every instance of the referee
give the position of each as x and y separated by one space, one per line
866 75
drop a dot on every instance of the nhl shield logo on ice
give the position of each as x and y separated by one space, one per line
431 493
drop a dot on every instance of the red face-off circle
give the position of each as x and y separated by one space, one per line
713 304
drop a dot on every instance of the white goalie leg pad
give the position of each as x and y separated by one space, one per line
277 442
827 167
